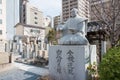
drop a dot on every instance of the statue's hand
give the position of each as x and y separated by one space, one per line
60 28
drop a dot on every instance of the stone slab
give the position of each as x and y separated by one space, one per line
70 62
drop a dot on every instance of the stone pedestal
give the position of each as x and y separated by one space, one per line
70 62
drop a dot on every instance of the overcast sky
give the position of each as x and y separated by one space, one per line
48 7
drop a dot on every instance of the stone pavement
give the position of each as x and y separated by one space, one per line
18 74
4 67
23 72
33 69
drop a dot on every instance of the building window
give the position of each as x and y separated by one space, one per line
0 11
35 13
36 18
36 23
0 21
0 1
0 32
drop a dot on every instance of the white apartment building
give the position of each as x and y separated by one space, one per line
68 5
32 15
2 19
2 25
9 16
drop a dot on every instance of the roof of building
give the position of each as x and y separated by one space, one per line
27 25
95 26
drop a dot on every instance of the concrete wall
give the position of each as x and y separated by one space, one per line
4 61
4 58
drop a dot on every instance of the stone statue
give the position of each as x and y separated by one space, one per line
74 30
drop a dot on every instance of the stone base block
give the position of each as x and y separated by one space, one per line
70 62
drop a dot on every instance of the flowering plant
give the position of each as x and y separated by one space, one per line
92 70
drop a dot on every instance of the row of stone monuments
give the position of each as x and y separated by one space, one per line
69 60
28 48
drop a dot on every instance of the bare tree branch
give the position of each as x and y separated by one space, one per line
108 11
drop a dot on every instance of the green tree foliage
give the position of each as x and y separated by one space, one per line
52 37
109 68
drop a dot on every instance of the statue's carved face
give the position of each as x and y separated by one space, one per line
74 12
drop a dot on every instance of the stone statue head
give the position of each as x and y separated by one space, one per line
74 12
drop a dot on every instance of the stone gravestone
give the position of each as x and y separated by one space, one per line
69 59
